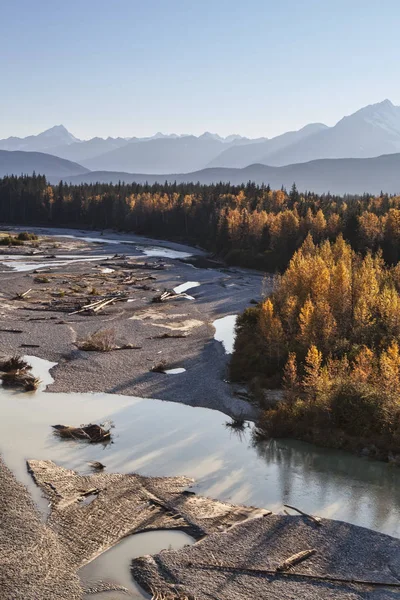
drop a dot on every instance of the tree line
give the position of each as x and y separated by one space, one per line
248 225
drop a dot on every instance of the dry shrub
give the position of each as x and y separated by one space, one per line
14 363
236 423
21 379
24 236
99 341
159 367
91 433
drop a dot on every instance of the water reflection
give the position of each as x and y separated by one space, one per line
184 287
225 332
113 566
154 437
15 263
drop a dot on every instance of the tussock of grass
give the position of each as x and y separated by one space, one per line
10 241
91 433
14 363
21 379
236 423
159 367
100 341
24 236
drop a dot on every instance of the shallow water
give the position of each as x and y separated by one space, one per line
176 371
184 287
15 263
114 565
153 251
153 437
158 251
225 332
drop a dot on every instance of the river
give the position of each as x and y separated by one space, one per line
154 437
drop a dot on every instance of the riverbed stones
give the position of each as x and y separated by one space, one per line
33 563
242 564
126 504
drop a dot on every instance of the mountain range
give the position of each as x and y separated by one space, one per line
338 176
373 131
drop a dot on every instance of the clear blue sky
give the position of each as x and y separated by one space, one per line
134 67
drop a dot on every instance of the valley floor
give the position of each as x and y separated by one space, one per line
42 289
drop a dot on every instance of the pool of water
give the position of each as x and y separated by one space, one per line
184 287
113 566
148 250
14 262
158 251
153 437
225 332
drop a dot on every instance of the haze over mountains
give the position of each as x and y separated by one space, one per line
370 132
25 163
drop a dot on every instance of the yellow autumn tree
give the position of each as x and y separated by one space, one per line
312 371
389 366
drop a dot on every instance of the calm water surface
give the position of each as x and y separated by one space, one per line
114 565
153 437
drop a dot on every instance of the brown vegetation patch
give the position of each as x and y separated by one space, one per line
99 341
13 363
91 433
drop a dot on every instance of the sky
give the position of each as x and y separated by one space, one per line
135 67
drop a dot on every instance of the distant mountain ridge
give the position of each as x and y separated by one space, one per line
25 163
371 131
338 176
55 136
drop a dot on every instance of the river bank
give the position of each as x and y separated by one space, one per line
43 322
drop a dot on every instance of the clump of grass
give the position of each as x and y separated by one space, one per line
91 433
236 423
99 341
41 279
24 236
159 367
10 241
15 363
15 373
21 379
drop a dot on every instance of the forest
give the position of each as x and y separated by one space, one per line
246 225
328 337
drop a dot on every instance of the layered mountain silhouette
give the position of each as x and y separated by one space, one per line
45 141
372 131
26 163
359 154
338 176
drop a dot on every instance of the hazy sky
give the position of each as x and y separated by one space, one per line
134 67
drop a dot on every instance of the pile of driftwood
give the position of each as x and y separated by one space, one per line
91 433
169 295
98 305
130 280
134 265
